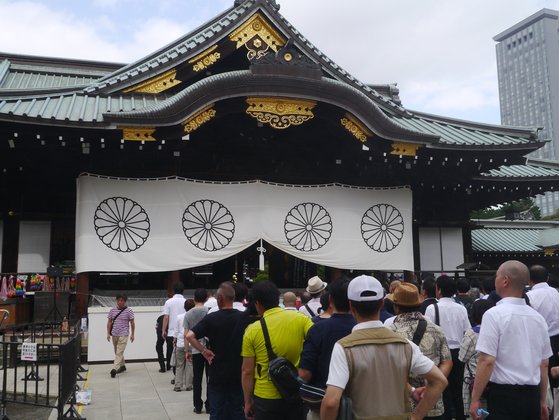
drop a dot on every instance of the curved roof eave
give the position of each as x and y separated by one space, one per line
504 129
520 173
244 83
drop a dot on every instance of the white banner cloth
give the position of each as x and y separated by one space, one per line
170 224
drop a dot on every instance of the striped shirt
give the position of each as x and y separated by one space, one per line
121 326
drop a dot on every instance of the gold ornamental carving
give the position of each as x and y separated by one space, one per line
205 59
405 149
157 84
138 134
280 113
258 36
354 126
197 120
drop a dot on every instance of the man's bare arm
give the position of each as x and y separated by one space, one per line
436 383
331 403
164 326
247 382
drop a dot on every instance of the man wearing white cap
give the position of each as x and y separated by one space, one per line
372 365
315 286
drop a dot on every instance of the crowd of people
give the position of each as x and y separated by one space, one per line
438 349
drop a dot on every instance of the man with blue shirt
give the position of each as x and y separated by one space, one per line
320 340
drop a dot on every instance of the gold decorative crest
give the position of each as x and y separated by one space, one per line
138 134
549 252
157 84
198 119
354 126
405 149
258 36
280 113
205 59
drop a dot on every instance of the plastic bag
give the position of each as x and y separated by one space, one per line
83 397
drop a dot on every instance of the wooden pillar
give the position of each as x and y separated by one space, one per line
332 273
82 294
172 278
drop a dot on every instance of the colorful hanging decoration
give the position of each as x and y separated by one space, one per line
11 287
4 289
72 284
36 282
19 286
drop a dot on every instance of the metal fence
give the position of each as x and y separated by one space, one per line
41 366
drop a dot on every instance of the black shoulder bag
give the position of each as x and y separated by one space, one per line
420 330
437 318
311 312
281 371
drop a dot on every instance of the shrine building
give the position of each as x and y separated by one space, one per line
176 165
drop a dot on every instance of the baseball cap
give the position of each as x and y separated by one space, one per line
365 289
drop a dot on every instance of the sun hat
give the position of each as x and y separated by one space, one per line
407 294
316 285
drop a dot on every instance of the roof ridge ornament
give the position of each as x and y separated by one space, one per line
287 60
272 3
258 36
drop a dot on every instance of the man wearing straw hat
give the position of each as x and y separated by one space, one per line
430 338
315 286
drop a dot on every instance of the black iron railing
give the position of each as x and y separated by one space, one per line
41 366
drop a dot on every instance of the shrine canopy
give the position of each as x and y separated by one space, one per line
169 224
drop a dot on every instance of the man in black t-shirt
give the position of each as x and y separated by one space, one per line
224 330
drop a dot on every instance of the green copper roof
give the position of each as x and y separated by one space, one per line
73 107
26 75
522 171
514 236
464 133
506 240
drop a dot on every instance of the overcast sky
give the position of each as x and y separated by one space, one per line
439 52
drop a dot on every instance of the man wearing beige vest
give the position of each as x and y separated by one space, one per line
371 366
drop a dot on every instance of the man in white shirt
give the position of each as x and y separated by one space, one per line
173 307
363 362
514 349
545 300
183 375
315 286
453 319
211 302
289 301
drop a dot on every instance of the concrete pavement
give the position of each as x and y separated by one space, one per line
142 392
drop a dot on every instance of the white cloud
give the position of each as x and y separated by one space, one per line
35 29
441 54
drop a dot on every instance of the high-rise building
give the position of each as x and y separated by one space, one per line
528 72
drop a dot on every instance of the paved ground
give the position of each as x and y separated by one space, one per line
142 392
